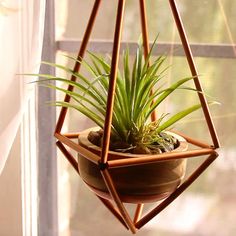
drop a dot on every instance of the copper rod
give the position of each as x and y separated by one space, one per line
177 192
110 185
112 82
138 212
145 159
192 141
68 156
194 72
113 210
143 15
83 151
71 135
83 46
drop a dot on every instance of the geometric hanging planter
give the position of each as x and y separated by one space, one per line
109 168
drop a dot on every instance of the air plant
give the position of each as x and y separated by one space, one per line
138 93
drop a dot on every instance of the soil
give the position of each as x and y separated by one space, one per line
95 137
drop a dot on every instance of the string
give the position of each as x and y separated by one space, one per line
227 25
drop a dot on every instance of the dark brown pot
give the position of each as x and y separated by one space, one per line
135 184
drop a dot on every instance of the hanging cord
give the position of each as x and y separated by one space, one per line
227 25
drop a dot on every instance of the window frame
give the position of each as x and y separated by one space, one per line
46 149
198 49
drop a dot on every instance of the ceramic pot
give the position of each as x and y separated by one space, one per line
135 184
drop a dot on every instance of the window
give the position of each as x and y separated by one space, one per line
207 208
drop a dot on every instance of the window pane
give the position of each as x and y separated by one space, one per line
208 21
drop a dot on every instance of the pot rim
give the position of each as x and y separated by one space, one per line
84 142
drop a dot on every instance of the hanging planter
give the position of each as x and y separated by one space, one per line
135 184
133 134
131 159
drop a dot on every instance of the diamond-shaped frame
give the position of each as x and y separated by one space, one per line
102 161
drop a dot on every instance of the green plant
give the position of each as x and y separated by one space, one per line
134 99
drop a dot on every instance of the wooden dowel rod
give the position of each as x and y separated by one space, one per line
158 157
83 151
110 185
143 17
138 212
193 141
144 27
194 72
83 46
177 192
113 210
112 81
68 156
71 135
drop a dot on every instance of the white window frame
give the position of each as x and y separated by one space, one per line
29 183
